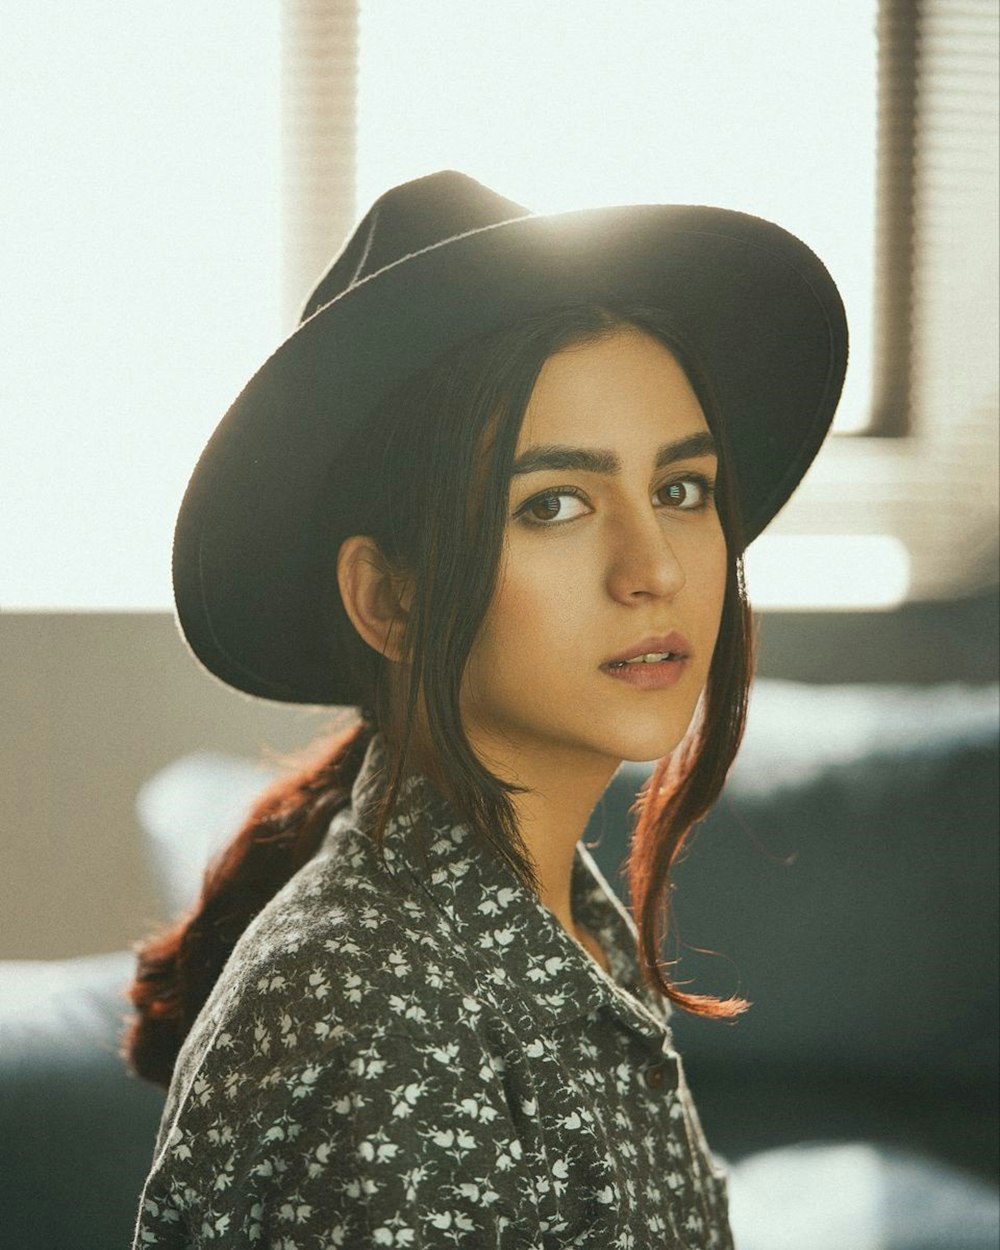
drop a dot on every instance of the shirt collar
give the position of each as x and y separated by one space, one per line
484 903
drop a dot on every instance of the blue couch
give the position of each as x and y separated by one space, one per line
847 881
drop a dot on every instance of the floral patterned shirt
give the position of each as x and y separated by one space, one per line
415 1053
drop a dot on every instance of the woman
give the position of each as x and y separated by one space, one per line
493 492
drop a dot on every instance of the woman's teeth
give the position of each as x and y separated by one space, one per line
651 657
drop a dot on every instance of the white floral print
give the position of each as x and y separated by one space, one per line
412 1052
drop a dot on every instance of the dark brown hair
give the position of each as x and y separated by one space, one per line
438 457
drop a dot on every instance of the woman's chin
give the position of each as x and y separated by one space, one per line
647 753
638 743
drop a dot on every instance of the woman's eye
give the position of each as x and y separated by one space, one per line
687 493
553 506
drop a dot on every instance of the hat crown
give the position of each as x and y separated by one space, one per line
407 219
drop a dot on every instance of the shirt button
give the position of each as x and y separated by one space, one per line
661 1078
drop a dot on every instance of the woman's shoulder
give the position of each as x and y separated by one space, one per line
344 950
341 1038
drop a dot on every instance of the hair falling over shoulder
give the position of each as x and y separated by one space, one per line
177 968
442 448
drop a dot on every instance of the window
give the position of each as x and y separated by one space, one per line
139 269
161 185
769 107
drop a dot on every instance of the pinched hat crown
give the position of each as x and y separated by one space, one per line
410 219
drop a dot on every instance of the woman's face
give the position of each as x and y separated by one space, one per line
613 549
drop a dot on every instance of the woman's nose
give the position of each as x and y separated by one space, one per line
643 562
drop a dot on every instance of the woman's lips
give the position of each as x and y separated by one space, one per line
651 674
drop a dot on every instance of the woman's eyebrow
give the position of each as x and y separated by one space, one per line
600 460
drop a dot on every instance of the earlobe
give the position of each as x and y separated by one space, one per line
375 597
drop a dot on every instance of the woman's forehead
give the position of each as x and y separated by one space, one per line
621 389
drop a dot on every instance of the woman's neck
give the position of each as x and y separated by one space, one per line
552 814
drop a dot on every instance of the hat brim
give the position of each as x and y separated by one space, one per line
763 312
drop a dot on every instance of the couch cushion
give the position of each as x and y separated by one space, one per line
76 1132
829 1197
847 879
188 811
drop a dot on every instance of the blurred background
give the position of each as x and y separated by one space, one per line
177 176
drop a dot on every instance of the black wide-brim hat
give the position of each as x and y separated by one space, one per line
435 263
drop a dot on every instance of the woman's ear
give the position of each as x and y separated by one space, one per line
376 598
